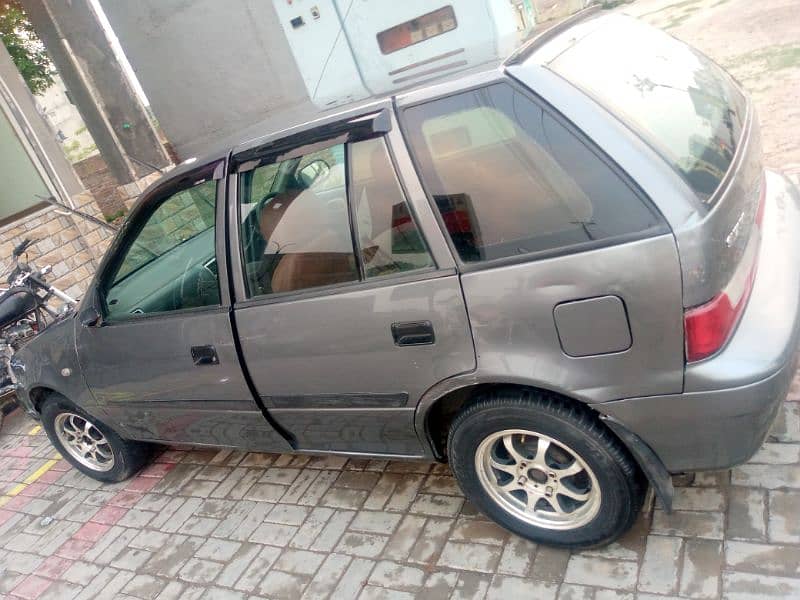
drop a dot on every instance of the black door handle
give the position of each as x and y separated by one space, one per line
413 333
204 355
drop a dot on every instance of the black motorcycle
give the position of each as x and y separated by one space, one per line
24 311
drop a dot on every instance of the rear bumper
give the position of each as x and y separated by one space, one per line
730 401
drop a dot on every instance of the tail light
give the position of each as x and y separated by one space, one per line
707 327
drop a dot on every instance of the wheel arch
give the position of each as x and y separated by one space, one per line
39 394
435 416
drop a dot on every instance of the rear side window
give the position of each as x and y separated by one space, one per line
509 179
680 102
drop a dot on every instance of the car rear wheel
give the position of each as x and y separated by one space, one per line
545 469
89 445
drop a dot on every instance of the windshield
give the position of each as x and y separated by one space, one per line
685 106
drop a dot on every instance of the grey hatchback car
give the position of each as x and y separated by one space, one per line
568 275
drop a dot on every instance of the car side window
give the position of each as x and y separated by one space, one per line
297 231
297 235
170 263
388 238
509 179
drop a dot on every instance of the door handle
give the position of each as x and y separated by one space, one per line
413 333
204 355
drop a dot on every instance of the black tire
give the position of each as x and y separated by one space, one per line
129 456
620 482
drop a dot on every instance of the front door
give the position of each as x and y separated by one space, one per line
346 318
162 361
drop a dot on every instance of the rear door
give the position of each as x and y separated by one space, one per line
162 362
571 276
348 305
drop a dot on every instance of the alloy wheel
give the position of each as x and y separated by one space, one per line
538 479
84 441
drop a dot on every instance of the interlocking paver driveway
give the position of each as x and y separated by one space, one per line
223 524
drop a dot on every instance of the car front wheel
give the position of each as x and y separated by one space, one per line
545 469
89 445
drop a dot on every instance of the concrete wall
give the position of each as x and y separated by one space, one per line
209 68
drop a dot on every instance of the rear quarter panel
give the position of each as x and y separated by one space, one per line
511 315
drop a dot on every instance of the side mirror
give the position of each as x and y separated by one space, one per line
90 316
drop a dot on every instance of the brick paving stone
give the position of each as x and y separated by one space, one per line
763 558
250 522
330 532
172 556
784 508
504 587
366 545
689 524
439 584
327 576
371 592
252 575
479 531
517 557
357 480
202 526
107 584
220 550
751 586
145 587
747 514
300 562
400 543
81 573
130 559
197 570
698 498
436 505
337 497
397 576
273 534
659 570
470 557
767 476
702 564
288 514
601 572
31 587
237 564
280 585
265 492
370 521
471 585
431 540
61 590
550 564
354 578
777 454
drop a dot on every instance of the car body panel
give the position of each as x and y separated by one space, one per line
50 361
511 313
321 361
731 399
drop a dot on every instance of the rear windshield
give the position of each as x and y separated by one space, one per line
680 102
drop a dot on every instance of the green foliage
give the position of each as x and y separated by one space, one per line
25 47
